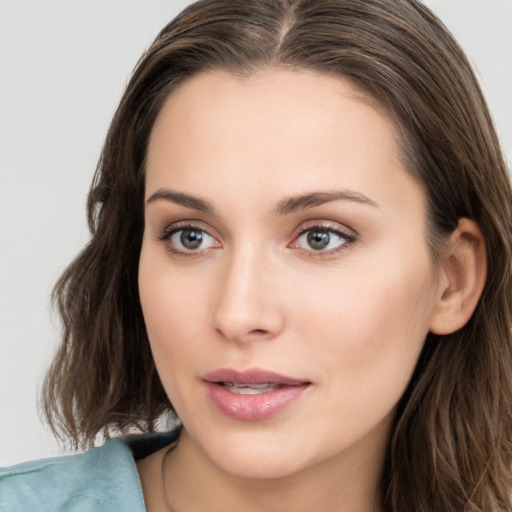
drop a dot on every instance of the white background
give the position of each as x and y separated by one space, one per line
63 66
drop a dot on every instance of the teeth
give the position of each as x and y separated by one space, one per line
249 389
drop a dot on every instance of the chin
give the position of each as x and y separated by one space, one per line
259 456
259 466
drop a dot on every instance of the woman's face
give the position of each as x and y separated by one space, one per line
285 276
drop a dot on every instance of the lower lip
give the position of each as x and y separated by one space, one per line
253 407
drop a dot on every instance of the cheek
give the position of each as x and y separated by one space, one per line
365 340
172 311
171 315
369 325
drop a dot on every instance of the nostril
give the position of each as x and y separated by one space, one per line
258 331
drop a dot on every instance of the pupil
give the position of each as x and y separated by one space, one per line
318 240
191 239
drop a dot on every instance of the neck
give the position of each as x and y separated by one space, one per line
348 482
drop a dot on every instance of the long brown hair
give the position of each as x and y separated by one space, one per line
450 448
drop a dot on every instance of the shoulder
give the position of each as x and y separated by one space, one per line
104 478
95 480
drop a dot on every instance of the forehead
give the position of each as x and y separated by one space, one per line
289 129
291 97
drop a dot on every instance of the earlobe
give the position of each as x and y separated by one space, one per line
462 278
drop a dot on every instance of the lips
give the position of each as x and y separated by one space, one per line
253 394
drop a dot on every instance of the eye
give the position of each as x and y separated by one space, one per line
186 240
323 239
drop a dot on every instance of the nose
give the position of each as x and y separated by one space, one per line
248 305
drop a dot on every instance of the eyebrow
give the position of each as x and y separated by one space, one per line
194 203
285 207
305 201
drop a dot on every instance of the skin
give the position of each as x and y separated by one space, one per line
351 321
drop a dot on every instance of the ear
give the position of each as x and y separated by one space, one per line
461 280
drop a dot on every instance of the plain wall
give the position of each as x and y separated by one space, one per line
63 66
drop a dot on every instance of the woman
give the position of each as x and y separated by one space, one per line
301 240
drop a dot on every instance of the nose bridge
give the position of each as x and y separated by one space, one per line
247 303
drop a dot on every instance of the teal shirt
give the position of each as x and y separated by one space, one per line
103 479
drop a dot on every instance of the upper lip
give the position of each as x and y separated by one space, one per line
251 376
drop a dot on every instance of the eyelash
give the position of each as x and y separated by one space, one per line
349 238
176 228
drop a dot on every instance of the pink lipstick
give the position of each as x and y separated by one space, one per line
252 395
